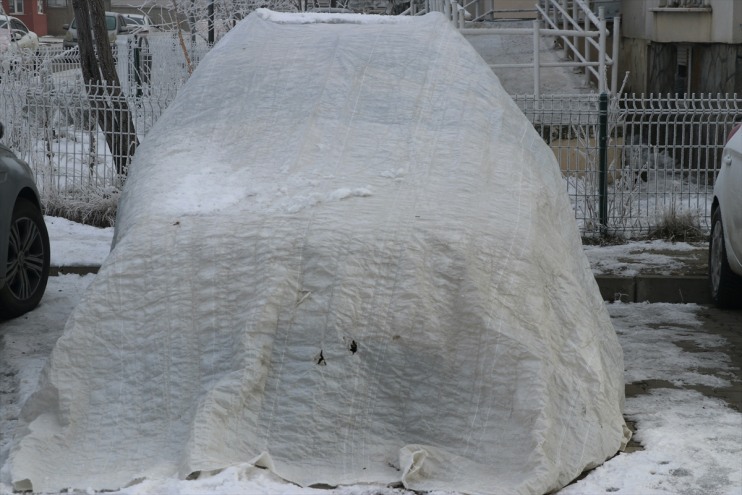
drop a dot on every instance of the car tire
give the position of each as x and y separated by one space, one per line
726 286
28 261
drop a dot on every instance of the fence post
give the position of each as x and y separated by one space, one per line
210 16
137 66
603 162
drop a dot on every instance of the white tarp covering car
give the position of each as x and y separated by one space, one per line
342 254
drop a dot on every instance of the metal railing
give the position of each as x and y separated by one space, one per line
582 34
588 51
53 122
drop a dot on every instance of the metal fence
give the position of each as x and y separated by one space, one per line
663 153
52 121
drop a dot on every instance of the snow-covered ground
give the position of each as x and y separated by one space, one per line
657 257
692 443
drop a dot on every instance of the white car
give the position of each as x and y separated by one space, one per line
15 34
725 245
139 22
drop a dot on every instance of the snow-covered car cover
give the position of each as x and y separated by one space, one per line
342 254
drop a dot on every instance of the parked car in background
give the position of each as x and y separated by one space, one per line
24 241
725 244
15 35
139 22
115 25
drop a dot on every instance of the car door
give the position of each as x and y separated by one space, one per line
22 35
732 199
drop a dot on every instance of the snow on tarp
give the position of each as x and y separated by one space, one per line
342 254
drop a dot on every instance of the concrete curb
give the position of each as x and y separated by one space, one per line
655 288
641 288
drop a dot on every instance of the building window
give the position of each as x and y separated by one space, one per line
56 3
682 69
16 6
40 7
683 4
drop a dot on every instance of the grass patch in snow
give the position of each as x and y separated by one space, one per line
678 226
96 207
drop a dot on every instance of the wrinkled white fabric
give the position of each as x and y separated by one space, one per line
342 254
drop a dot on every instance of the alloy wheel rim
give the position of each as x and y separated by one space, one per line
25 259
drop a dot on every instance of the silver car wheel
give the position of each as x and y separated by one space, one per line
724 284
716 257
25 258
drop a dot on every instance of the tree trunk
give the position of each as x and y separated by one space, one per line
102 82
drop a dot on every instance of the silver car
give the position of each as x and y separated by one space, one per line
115 25
24 241
725 245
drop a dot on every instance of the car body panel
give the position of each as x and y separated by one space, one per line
16 179
140 21
137 27
16 35
115 25
728 193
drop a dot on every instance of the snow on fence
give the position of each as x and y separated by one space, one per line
51 120
663 153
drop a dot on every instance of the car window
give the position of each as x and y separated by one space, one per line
3 24
133 21
110 23
18 25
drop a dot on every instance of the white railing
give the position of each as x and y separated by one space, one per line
569 14
557 19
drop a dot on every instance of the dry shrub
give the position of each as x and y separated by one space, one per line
605 238
95 207
678 226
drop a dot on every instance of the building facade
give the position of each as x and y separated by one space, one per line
682 46
59 13
31 12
